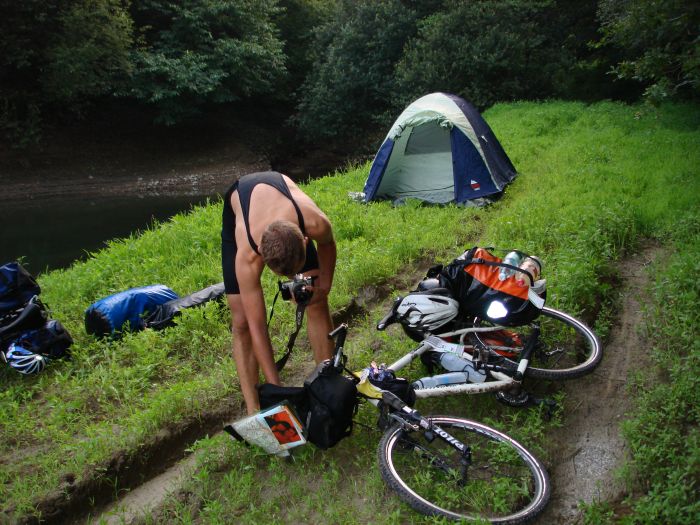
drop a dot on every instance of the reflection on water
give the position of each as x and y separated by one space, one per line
53 234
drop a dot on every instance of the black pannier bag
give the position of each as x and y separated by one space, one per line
17 287
473 281
325 404
51 340
332 404
28 337
30 316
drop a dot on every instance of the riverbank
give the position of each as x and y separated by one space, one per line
92 183
103 159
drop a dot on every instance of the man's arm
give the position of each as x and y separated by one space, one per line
248 275
327 255
322 233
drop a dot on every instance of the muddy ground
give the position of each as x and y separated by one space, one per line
589 447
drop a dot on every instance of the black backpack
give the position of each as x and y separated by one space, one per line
332 404
472 280
17 287
24 320
325 404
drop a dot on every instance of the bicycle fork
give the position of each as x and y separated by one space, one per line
412 421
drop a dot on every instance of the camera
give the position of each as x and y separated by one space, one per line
297 289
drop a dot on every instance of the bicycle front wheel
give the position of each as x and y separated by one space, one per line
566 348
495 479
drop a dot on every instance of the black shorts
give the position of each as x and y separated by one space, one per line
228 264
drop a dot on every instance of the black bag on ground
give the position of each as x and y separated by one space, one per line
332 404
30 316
17 287
325 404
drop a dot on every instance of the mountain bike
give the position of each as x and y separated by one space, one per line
555 346
451 466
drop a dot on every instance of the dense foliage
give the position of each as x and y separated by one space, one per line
194 53
513 59
351 83
660 43
338 67
55 56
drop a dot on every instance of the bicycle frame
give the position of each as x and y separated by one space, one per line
501 381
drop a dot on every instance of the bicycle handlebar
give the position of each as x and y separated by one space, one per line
339 335
390 317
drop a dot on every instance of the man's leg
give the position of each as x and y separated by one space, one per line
319 324
246 364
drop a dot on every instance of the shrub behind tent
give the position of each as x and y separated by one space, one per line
439 150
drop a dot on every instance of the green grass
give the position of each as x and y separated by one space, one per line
594 180
663 434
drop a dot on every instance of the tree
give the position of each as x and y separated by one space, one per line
485 51
57 56
660 43
297 21
195 53
90 52
352 80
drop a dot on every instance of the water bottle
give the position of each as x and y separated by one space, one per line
512 258
451 378
531 264
455 363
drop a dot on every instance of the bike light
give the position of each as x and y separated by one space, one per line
496 310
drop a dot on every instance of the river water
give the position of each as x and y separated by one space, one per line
56 232
83 192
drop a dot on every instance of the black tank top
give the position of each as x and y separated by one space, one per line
245 186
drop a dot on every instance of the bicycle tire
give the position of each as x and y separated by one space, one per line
507 485
567 348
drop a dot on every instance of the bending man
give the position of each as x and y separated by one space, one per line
268 220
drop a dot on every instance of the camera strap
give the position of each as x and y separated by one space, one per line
298 319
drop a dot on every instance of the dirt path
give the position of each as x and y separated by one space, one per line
589 444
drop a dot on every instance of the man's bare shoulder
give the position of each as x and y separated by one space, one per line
316 222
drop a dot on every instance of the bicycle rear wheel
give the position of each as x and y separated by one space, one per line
498 480
567 348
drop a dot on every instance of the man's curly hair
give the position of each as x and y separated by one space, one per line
282 248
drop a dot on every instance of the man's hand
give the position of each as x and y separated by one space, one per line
317 294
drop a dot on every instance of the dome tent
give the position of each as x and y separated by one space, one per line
439 150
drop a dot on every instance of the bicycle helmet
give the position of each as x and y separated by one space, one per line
426 311
23 360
